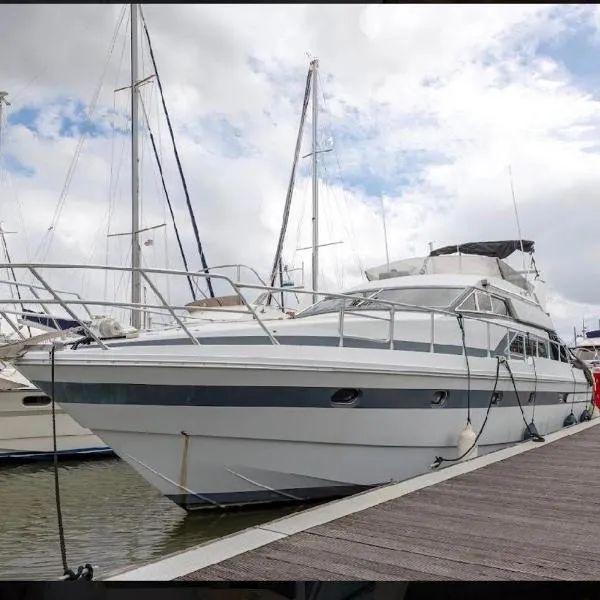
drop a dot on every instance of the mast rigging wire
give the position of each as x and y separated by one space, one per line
179 167
164 187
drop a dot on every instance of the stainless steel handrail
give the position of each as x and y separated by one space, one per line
389 306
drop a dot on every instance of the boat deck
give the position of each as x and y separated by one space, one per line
531 512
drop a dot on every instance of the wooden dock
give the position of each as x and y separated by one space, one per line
531 512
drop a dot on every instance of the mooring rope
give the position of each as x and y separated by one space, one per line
440 459
87 571
535 436
461 325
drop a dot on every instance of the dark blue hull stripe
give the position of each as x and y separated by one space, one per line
309 340
249 499
74 453
280 396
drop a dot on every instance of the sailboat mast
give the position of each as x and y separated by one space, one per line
315 182
290 190
136 278
4 103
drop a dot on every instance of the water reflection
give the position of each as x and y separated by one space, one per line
112 519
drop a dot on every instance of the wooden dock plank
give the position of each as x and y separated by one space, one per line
533 516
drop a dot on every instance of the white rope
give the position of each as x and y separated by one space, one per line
47 239
346 220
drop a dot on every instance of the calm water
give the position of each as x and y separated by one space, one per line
112 519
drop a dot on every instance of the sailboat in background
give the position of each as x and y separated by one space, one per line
268 305
26 412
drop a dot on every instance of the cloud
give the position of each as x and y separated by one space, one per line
425 107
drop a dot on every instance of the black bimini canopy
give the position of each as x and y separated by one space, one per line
500 250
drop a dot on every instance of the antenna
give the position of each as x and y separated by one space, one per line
514 198
3 102
136 251
385 238
315 182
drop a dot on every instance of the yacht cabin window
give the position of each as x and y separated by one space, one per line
483 302
499 306
429 297
528 345
517 345
432 297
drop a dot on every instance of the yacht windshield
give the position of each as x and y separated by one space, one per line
332 304
422 297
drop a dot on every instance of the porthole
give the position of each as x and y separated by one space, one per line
346 397
439 398
497 398
35 401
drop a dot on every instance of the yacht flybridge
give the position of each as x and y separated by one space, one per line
364 387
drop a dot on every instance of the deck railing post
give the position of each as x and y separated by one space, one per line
392 323
238 291
341 326
44 307
12 325
166 305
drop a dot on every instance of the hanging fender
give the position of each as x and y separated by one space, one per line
596 395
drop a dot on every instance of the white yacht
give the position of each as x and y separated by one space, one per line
587 347
362 388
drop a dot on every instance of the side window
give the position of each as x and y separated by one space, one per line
484 302
517 346
468 304
479 301
531 346
557 350
542 349
564 354
499 306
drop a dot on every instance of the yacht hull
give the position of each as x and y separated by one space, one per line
223 427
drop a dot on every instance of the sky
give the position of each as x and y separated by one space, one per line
424 109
